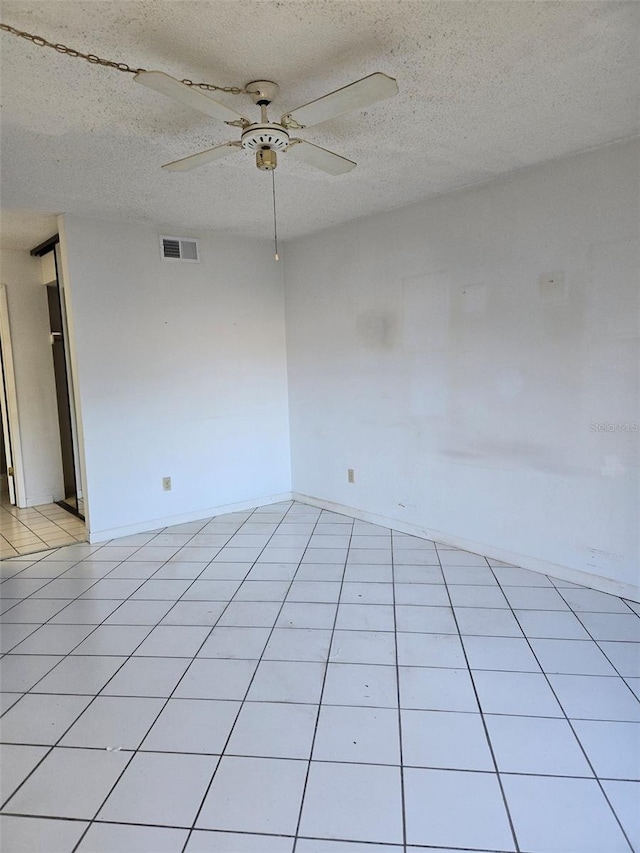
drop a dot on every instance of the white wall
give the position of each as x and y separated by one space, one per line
35 383
180 371
427 352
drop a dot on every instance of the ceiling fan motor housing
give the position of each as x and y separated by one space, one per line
263 137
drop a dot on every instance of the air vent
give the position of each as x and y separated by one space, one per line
179 249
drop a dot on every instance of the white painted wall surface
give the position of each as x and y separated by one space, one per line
35 383
427 353
180 372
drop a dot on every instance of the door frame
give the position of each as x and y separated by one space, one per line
10 421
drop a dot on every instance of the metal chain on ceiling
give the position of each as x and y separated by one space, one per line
108 63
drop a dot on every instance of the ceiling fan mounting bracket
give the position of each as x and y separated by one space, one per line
262 92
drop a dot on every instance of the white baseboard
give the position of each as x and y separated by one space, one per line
534 564
38 500
154 523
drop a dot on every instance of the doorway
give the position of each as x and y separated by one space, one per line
69 451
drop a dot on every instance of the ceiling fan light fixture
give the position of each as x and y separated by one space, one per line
266 160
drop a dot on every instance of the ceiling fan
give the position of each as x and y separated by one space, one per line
268 138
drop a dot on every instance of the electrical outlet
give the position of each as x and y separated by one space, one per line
350 475
166 484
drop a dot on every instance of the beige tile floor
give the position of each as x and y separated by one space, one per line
26 531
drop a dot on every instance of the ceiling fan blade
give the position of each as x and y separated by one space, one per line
202 158
356 95
187 95
318 157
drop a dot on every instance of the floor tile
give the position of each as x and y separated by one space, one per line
436 689
353 801
116 838
254 795
363 573
225 571
361 684
250 614
192 725
624 798
306 615
456 809
80 674
577 657
112 640
593 601
612 626
92 612
529 598
365 617
358 735
273 730
28 834
17 762
501 653
211 590
211 678
302 644
34 610
426 620
154 677
460 558
422 593
287 681
487 622
247 643
161 590
417 574
367 593
13 635
569 814
443 650
146 791
512 576
194 613
536 745
551 624
20 672
210 841
173 641
465 595
53 639
523 693
251 590
326 592
624 656
69 783
363 647
455 741
139 613
593 697
272 572
114 721
41 718
613 748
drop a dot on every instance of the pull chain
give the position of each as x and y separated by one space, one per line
275 221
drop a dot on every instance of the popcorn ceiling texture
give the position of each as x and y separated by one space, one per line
485 88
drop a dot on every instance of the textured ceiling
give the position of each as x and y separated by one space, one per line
485 88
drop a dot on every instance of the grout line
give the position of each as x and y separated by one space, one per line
579 742
486 729
324 682
243 701
397 667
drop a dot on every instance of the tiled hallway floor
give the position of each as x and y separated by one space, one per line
25 531
289 679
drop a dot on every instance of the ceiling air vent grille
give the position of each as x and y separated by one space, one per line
179 249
